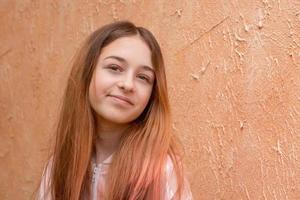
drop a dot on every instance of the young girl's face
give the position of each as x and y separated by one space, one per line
122 82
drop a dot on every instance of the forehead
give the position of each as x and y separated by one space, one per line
133 49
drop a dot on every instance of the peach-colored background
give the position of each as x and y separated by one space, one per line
234 81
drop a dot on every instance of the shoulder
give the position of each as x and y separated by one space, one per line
169 166
44 189
170 178
172 182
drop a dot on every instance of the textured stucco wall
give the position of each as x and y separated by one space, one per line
234 77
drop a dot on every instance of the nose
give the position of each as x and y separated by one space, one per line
127 83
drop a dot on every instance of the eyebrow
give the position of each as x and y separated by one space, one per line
120 59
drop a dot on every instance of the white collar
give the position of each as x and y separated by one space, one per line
107 161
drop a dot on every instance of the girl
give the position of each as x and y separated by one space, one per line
114 140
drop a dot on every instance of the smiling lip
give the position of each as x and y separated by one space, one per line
122 98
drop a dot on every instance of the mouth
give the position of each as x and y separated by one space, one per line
122 98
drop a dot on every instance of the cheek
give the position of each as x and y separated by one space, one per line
145 96
100 84
96 87
92 91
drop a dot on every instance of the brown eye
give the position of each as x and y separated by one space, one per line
144 78
115 68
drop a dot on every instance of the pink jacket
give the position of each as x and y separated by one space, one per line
98 182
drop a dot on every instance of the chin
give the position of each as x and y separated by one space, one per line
126 121
120 120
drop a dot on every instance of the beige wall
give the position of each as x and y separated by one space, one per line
234 77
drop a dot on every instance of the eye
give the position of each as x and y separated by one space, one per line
144 78
114 67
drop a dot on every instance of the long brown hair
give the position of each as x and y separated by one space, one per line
138 167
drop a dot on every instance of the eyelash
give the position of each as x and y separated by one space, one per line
117 68
144 78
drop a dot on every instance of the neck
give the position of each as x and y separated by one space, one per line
108 139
